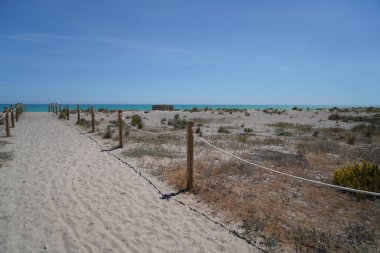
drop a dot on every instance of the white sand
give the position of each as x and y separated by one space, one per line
61 194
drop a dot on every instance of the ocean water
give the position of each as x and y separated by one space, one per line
148 107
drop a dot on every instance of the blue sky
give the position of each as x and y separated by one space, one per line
187 52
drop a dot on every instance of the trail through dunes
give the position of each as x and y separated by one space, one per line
59 193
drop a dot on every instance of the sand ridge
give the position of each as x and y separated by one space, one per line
61 194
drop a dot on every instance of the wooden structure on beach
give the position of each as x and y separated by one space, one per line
162 107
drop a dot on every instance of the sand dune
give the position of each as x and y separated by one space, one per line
61 194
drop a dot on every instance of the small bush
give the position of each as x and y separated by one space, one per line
365 176
136 121
281 132
223 130
108 133
358 234
163 121
248 130
198 131
177 122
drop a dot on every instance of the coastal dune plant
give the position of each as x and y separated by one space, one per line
223 130
365 176
108 133
177 122
136 121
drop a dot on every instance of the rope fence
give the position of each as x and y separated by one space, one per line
7 120
190 149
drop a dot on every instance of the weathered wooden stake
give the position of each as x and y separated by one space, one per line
56 108
93 119
7 122
190 154
78 113
120 119
68 112
12 117
17 112
60 110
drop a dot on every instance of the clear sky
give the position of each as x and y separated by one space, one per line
186 52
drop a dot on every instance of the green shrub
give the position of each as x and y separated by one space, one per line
281 132
108 133
136 121
223 130
248 130
365 176
177 122
198 131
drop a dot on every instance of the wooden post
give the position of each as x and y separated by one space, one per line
12 117
190 154
93 119
60 110
120 119
7 122
17 112
78 113
48 107
56 108
68 112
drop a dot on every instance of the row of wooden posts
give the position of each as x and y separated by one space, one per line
20 108
190 137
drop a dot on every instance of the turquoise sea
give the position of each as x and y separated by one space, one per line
148 107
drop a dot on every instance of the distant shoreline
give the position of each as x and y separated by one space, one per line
148 107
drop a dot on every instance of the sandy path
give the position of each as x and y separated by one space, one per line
61 194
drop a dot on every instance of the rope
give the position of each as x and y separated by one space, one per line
2 126
3 116
286 174
148 132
